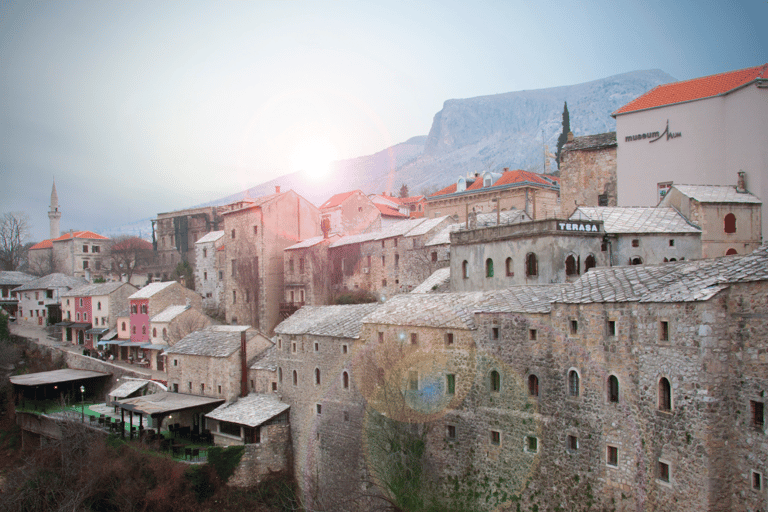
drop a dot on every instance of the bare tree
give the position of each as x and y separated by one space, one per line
249 281
189 322
129 253
14 234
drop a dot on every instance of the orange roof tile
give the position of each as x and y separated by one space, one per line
411 199
80 234
450 189
337 199
695 89
389 211
507 178
45 244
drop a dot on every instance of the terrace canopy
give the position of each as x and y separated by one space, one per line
159 405
59 384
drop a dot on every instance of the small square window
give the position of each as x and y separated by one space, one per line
572 442
664 472
449 339
757 481
664 330
574 327
758 415
319 409
611 328
532 444
612 456
494 333
532 334
495 437
450 432
635 242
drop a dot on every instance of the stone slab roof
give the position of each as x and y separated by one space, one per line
456 310
311 242
210 237
166 402
52 281
55 377
169 313
439 279
337 321
597 141
12 277
265 360
92 290
251 410
636 219
400 228
686 281
213 341
128 387
426 226
716 194
151 289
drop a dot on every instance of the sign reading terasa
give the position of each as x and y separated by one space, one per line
654 136
577 226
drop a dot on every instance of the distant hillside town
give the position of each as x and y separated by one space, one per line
592 338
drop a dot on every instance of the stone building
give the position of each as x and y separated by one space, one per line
9 280
730 217
703 130
588 172
256 232
168 327
393 260
349 213
174 235
40 299
209 270
616 392
307 276
90 311
538 195
77 253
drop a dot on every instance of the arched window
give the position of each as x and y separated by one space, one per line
571 268
495 381
508 265
731 251
533 385
295 378
345 380
665 395
589 263
730 223
637 260
165 333
613 389
279 374
573 383
154 332
531 265
317 375
465 269
233 234
489 267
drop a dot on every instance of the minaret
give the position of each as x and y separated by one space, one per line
54 214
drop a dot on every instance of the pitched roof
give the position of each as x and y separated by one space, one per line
45 244
90 290
80 234
311 242
337 199
411 199
507 179
251 410
213 341
251 203
636 219
483 220
695 89
151 289
128 387
210 237
597 141
11 277
55 280
169 313
685 281
439 279
389 211
716 194
400 228
337 321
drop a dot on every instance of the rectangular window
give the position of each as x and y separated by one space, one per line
205 253
574 327
671 242
434 257
255 230
664 331
449 339
319 409
532 444
219 387
663 472
414 338
450 432
301 265
397 260
202 388
85 248
189 385
234 268
495 437
293 347
610 328
532 334
344 349
494 333
757 481
205 276
450 383
381 337
96 248
317 347
383 261
85 264
234 296
635 242
572 443
175 387
758 417
290 265
612 456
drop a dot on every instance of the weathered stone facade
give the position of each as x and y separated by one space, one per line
588 172
209 271
174 235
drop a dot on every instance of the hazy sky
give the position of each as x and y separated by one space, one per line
144 107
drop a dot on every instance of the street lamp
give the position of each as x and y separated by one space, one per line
82 404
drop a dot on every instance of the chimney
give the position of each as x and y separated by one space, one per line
570 136
741 184
243 366
506 169
277 189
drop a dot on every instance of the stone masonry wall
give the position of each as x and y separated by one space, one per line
584 175
272 455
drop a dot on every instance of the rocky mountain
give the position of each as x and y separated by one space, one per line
477 134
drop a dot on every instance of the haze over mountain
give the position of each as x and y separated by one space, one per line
468 135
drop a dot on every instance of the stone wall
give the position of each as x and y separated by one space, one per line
585 174
272 455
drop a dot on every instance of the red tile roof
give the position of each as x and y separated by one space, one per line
450 189
45 244
80 234
389 211
507 178
411 199
337 199
695 89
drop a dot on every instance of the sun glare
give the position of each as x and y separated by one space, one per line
313 157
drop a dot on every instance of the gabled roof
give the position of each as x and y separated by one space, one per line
336 321
90 235
169 313
213 341
337 199
411 199
252 203
210 237
311 242
45 244
50 281
90 290
11 277
388 211
251 410
439 279
506 180
128 387
716 194
151 289
695 89
617 219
